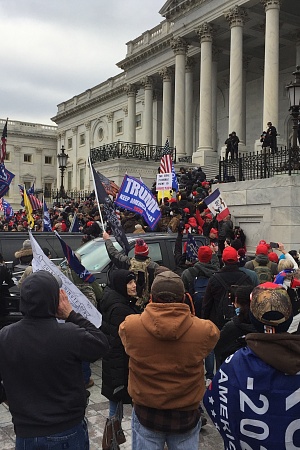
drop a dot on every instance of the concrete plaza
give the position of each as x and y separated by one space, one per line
96 413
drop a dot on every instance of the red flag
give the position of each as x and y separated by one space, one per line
3 143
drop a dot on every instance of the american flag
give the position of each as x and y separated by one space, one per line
166 160
3 143
110 186
6 208
34 201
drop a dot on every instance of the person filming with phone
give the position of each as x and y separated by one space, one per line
41 367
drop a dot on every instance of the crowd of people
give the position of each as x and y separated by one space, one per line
221 330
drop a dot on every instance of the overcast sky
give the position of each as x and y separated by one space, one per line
54 49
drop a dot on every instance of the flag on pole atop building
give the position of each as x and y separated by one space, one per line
46 218
6 208
217 205
6 178
28 209
3 143
109 210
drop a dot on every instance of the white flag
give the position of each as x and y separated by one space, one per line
77 299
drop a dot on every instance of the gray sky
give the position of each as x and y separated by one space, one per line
54 49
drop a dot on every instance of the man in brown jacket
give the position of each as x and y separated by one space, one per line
167 345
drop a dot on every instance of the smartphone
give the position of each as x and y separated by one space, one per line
274 245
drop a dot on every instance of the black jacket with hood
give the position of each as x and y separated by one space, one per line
41 361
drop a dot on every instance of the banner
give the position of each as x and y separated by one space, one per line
217 205
164 182
46 218
6 178
77 299
135 196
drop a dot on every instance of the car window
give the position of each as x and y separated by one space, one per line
94 256
154 252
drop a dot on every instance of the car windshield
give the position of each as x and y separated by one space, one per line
94 256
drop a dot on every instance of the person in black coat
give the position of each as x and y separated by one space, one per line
117 303
238 326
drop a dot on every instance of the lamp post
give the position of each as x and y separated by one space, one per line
62 159
294 96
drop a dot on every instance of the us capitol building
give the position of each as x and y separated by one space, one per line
209 68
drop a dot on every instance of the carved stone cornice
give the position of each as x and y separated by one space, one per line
236 16
147 82
271 4
190 64
144 54
179 46
205 32
88 125
176 9
110 117
125 109
166 73
131 90
88 105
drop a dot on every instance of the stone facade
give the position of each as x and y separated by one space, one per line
210 67
31 156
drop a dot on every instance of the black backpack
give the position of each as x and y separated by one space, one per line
226 309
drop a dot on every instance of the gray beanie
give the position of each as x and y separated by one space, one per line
26 244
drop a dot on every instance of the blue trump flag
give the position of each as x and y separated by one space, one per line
191 249
6 178
6 208
174 179
46 218
74 262
135 196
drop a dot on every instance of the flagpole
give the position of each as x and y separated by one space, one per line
96 193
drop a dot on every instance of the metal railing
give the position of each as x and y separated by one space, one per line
129 150
54 196
263 164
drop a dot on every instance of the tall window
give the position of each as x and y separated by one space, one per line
69 180
47 189
82 139
7 156
48 159
119 126
81 178
27 185
69 143
27 158
138 121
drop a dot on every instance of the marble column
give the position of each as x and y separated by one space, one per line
75 174
131 91
214 127
88 146
189 105
205 154
271 65
166 74
236 17
246 61
179 47
147 82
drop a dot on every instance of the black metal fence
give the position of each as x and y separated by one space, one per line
263 164
129 150
55 196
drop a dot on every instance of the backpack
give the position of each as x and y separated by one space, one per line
263 273
226 308
200 284
84 287
140 269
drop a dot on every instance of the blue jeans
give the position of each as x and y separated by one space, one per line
113 408
210 365
146 439
86 370
76 438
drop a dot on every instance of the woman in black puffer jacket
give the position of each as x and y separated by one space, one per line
117 303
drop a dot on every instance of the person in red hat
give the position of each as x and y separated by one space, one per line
219 288
141 264
265 269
